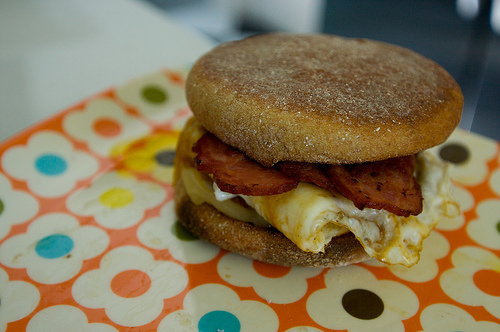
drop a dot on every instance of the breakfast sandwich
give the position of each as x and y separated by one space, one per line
310 150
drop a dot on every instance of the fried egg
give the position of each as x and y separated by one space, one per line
311 216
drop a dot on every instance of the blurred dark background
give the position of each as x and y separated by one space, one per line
461 35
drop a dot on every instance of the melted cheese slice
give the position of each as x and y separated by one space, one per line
199 189
311 216
308 215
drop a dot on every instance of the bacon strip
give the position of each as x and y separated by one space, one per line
307 172
235 173
387 184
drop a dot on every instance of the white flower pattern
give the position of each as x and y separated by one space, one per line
116 200
459 283
49 164
166 232
157 96
18 299
64 318
89 240
15 206
469 154
284 285
129 280
495 181
103 124
223 312
53 248
303 329
447 317
360 302
486 229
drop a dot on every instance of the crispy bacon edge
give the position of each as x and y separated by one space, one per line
387 184
235 173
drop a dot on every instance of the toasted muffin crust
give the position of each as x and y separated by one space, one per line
263 244
322 98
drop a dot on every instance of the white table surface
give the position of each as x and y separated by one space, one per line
54 53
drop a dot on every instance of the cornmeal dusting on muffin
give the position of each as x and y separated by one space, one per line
374 88
282 86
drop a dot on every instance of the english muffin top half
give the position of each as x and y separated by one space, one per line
322 99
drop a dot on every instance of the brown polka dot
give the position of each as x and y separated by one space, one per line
154 94
363 304
165 157
455 153
1 207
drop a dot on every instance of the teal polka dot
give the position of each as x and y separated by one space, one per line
154 94
54 246
51 164
219 321
1 207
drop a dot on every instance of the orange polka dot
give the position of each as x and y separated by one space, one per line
175 78
488 281
269 270
107 127
130 283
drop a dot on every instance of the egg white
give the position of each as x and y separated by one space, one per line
311 216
